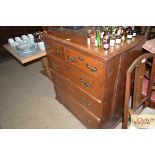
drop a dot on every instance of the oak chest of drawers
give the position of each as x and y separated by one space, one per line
90 81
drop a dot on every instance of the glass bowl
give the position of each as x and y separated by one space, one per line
26 50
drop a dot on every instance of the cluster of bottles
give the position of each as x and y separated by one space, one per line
109 36
38 40
37 37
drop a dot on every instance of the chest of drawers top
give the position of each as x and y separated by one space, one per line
78 40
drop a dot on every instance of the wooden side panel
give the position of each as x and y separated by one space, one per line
111 73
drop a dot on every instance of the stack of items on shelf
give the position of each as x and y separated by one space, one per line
27 45
109 36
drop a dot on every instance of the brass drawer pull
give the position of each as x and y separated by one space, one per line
86 103
54 65
85 83
59 82
71 59
92 69
58 52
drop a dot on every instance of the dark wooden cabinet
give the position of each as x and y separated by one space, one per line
90 81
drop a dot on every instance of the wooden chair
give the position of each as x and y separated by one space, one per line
139 90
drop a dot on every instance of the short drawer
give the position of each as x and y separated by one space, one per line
57 65
54 49
72 104
83 62
58 51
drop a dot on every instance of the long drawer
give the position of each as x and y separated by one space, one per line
84 62
84 116
86 82
89 103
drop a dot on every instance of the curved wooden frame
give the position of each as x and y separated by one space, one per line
139 67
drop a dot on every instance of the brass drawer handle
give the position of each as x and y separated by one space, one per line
86 103
71 59
59 82
92 69
58 52
54 65
85 83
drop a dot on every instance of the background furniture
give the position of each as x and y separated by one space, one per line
90 81
142 93
11 32
24 60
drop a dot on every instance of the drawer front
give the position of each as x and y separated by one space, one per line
85 82
58 51
85 117
54 49
85 63
59 81
57 65
85 100
61 96
89 103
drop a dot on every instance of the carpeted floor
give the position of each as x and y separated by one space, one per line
27 100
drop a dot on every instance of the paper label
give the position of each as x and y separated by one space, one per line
118 41
134 34
129 36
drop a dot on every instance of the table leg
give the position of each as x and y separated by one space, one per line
46 70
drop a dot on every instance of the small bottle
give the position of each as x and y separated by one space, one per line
40 42
129 34
88 38
123 36
96 39
118 36
107 36
106 44
35 37
112 40
92 37
134 32
102 34
99 38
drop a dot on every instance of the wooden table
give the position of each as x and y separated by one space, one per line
23 60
